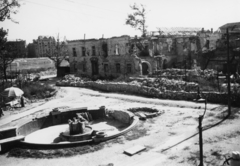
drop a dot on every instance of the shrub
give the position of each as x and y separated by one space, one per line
36 89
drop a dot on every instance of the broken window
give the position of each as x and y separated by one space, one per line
156 48
84 69
118 69
83 51
129 68
117 49
75 66
105 68
105 49
93 51
131 49
74 51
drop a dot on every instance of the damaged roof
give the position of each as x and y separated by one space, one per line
179 31
232 27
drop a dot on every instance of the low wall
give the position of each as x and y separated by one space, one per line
7 132
123 87
56 118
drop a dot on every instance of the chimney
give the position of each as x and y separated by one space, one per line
211 30
202 29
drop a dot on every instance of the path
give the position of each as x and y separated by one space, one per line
72 96
177 123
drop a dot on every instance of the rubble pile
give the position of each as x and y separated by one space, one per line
235 88
71 80
164 84
158 87
208 74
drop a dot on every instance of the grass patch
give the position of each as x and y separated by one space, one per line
186 148
173 157
172 133
137 132
54 153
65 152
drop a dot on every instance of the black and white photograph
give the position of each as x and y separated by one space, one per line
119 82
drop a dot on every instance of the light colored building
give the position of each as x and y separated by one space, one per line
44 45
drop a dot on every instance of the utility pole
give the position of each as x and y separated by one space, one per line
228 75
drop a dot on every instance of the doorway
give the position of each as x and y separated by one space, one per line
94 67
145 69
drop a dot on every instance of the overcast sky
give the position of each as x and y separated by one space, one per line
95 18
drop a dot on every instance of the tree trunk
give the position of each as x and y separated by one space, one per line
58 71
5 73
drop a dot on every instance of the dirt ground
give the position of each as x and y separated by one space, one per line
179 123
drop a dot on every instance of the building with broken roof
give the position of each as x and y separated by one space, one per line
216 57
125 55
183 46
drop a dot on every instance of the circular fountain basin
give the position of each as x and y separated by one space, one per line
87 134
51 131
46 135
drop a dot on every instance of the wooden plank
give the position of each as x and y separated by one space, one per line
134 150
11 139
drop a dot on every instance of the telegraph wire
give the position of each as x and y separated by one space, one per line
68 10
69 1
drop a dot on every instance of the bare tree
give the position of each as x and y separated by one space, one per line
59 53
7 53
137 19
8 7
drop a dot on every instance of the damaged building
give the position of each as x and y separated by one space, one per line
102 57
216 58
134 56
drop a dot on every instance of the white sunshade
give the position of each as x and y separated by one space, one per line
12 92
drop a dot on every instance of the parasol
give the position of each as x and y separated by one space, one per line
12 92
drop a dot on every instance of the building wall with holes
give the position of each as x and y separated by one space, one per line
112 57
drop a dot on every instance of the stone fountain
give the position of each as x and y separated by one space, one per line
78 129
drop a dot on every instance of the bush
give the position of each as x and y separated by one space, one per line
36 89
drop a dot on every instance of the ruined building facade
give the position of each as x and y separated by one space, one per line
103 57
138 56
